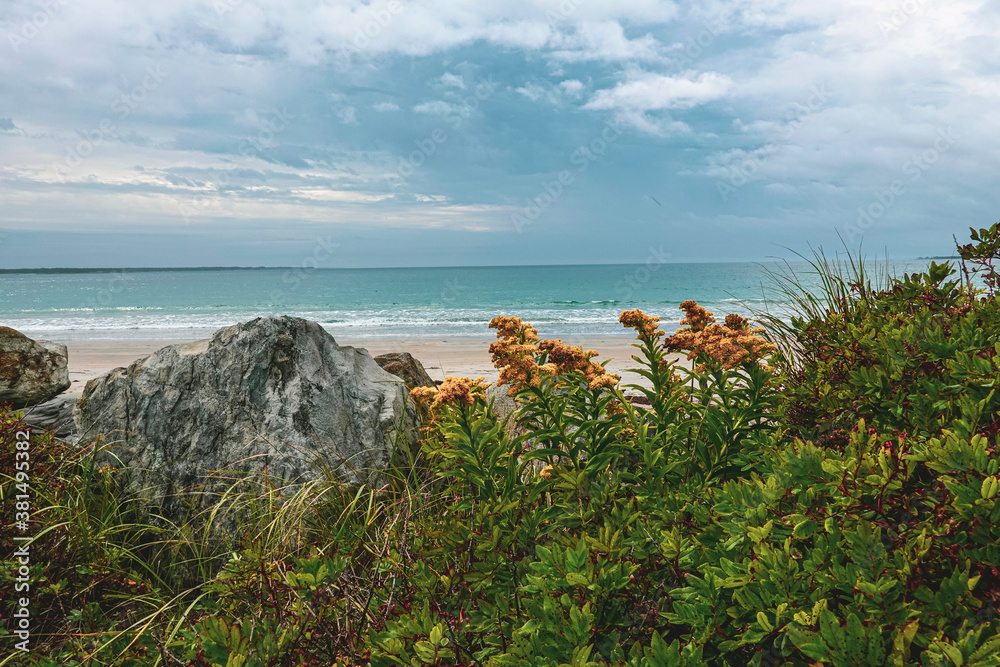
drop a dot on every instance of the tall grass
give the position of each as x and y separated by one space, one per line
116 577
828 286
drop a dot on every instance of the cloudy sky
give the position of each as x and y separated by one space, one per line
464 132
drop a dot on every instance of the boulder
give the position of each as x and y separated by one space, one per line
503 407
275 395
31 371
55 415
405 367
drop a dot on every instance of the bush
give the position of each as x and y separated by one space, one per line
825 492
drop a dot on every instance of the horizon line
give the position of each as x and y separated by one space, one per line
139 269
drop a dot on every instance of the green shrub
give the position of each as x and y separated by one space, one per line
822 493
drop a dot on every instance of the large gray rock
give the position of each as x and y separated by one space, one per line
276 394
405 367
31 371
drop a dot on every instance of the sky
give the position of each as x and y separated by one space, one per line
471 132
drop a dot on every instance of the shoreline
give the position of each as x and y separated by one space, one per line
440 356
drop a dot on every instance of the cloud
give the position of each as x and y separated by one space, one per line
605 41
643 92
647 91
571 87
552 94
698 90
452 80
437 107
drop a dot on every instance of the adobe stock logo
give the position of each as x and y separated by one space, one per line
379 20
915 167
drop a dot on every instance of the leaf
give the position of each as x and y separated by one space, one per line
805 529
831 631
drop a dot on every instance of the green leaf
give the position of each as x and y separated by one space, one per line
805 529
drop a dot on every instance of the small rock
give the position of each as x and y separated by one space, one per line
503 407
55 415
404 366
31 371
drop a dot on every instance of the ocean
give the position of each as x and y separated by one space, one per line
560 301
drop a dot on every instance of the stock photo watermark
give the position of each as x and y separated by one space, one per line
105 295
278 121
697 45
455 117
107 129
21 617
635 279
551 189
740 175
452 290
31 26
900 16
379 20
322 252
884 199
563 11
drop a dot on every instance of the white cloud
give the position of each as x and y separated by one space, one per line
552 94
644 92
386 106
647 91
452 80
532 91
604 41
437 107
571 87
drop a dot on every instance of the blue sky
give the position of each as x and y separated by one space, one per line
277 132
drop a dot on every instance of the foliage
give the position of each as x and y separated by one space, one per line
825 492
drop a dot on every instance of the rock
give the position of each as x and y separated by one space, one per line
31 371
404 366
55 415
503 407
276 395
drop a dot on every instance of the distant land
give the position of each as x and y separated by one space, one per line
941 257
147 269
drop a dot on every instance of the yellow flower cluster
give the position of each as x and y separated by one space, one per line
731 344
569 358
647 326
453 391
697 317
516 354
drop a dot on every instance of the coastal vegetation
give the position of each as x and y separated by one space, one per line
818 490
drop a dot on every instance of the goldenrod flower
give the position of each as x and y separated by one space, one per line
423 394
518 352
606 380
731 344
453 391
647 326
514 353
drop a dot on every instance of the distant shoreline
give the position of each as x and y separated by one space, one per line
151 269
178 269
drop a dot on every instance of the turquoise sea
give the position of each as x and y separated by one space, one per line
561 301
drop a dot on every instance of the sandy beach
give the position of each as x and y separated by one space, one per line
441 357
